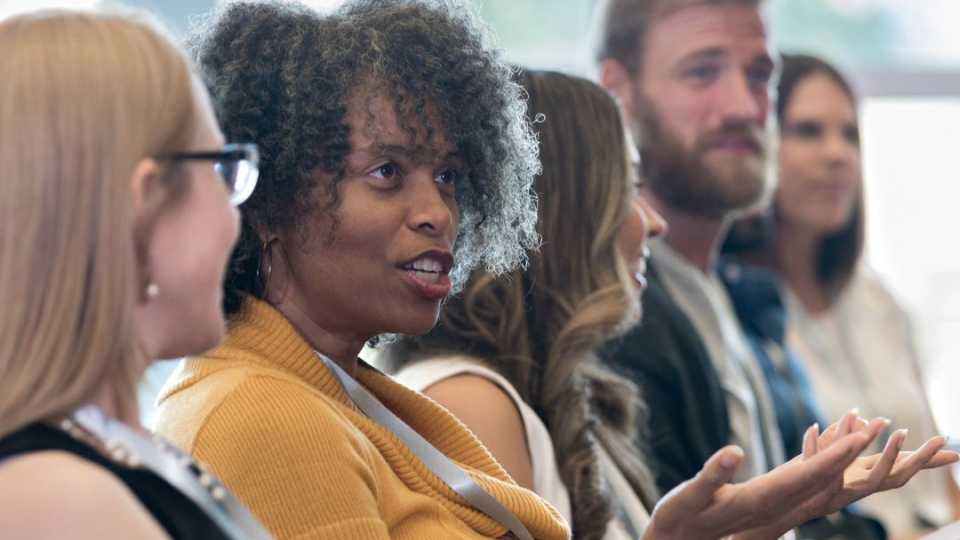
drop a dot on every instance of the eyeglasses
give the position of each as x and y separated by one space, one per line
236 163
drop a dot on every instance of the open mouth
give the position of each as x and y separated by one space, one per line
426 269
429 273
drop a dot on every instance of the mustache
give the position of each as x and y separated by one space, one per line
751 134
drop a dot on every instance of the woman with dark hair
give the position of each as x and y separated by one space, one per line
395 159
515 358
850 335
110 157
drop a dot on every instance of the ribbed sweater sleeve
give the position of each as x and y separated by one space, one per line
264 418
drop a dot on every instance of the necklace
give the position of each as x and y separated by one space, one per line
90 425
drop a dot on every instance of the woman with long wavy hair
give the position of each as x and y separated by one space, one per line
515 358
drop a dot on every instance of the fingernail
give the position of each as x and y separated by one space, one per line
816 427
886 422
855 411
731 459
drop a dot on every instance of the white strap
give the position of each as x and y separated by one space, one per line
439 464
177 469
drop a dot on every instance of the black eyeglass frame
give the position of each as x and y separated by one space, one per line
238 152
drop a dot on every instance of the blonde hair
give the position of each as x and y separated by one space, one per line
85 97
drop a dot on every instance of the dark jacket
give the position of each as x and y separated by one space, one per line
666 358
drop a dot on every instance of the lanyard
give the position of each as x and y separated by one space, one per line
455 477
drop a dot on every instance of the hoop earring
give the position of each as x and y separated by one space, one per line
266 259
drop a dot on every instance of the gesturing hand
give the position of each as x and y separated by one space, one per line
865 476
708 506
890 469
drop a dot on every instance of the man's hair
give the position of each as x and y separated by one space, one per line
621 26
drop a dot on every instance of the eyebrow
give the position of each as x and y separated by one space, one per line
714 53
416 153
703 54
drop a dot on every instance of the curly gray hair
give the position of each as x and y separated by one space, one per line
280 75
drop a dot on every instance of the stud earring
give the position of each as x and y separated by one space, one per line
152 290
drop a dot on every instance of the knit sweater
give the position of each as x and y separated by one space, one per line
275 425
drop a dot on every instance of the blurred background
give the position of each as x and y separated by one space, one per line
904 57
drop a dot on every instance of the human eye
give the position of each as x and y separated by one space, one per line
806 130
852 135
759 76
386 174
701 73
448 177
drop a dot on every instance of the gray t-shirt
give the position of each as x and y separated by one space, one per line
704 300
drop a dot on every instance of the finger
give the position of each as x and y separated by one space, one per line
860 423
891 451
838 430
908 467
810 438
716 472
829 463
875 427
846 423
941 458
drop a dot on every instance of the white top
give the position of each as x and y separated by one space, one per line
546 476
704 300
862 353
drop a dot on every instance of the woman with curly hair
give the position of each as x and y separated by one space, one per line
524 345
395 159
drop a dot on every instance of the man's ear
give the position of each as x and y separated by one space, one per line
615 77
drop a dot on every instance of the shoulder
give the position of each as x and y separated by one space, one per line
263 404
229 419
868 289
40 503
492 410
461 393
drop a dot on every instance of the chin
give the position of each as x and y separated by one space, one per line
418 322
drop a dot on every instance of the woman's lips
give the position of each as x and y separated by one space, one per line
428 285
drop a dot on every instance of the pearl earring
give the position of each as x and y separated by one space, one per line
153 290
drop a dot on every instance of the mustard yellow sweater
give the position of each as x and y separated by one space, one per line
265 414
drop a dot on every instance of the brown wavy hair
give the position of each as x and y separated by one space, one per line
541 327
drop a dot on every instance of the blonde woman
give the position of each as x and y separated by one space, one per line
110 156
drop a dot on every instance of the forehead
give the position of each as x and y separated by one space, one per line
731 28
374 123
819 95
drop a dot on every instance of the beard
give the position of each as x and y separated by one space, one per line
692 181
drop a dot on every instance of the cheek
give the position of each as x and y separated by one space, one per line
632 233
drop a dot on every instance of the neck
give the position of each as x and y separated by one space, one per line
340 347
695 238
109 400
796 258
